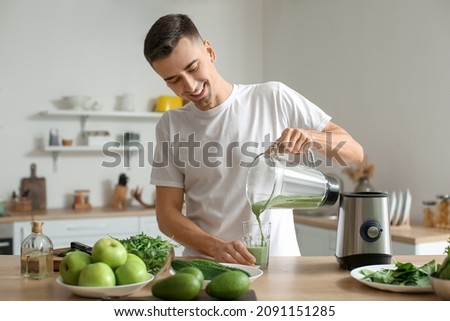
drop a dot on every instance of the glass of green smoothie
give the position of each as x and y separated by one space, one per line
256 236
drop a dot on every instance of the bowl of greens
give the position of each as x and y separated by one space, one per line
156 252
440 280
441 287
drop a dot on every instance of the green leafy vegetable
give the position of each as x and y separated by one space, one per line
154 251
209 268
406 274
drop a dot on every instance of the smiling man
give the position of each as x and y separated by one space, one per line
203 149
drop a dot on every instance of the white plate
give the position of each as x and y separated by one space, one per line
392 207
399 209
104 291
355 273
253 271
406 207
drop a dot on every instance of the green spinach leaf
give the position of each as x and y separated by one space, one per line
406 274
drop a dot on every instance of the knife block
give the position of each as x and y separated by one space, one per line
120 197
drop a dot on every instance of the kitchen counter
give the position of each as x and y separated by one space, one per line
413 234
286 279
68 213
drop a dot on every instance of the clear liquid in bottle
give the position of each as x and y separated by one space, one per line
36 257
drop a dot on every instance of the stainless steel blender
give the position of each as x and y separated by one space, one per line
363 231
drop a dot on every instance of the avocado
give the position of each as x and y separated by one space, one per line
194 271
177 287
229 285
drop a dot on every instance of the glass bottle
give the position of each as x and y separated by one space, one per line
36 254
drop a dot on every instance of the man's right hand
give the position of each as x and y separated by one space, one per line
234 252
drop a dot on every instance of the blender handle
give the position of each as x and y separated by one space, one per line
310 159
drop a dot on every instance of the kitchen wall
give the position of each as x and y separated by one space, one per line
54 48
380 68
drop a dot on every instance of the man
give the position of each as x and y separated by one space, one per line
203 148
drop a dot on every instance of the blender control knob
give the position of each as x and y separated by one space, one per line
370 231
373 231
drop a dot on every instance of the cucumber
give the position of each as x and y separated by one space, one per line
209 268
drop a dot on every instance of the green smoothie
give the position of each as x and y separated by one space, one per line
287 202
261 254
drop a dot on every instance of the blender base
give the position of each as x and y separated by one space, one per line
353 261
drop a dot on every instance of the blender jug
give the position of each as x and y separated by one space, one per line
276 182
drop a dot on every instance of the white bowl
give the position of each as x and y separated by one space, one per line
104 291
441 287
76 102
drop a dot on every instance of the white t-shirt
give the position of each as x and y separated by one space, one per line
208 153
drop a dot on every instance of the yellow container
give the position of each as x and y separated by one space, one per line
165 103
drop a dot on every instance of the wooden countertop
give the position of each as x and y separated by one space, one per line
413 234
286 279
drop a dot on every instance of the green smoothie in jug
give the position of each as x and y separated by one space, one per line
286 202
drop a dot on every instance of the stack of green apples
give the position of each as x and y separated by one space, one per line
109 265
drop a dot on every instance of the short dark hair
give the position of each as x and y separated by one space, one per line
166 32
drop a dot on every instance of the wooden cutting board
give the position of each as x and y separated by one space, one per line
250 295
36 189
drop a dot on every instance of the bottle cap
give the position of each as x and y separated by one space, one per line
36 227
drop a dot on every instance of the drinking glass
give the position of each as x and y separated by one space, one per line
256 237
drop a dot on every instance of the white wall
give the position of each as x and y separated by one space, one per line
54 48
382 70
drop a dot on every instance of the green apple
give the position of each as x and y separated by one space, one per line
97 274
72 264
131 272
134 257
109 251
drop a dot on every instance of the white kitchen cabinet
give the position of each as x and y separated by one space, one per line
86 230
428 248
149 226
315 241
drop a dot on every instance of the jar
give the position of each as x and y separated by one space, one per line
443 211
429 213
54 137
81 199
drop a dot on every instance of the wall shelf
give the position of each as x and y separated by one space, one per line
83 115
81 148
87 113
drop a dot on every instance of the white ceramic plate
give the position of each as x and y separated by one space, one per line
392 207
355 273
253 271
406 207
399 209
104 291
